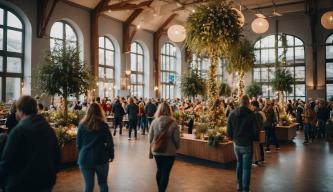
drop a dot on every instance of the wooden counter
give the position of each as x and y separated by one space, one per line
286 133
222 153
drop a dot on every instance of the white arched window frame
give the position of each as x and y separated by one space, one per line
137 69
264 68
12 54
106 68
329 66
63 34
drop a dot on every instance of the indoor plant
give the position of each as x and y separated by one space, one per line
254 90
192 84
225 89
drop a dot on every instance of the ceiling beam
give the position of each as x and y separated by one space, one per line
94 35
156 50
44 15
125 6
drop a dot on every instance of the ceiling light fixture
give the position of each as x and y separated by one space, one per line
327 20
177 33
260 25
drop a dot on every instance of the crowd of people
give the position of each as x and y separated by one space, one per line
30 156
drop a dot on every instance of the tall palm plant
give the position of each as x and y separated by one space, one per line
241 61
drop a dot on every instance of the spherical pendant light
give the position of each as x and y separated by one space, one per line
327 20
241 17
177 33
260 25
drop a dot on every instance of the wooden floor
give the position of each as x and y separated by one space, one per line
296 167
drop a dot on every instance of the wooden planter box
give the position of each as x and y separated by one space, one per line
286 133
68 152
221 153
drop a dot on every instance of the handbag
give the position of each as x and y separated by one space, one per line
159 144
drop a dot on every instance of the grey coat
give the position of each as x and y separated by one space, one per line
173 135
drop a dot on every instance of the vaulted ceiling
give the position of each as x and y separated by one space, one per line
159 10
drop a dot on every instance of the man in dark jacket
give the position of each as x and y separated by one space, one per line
31 156
150 109
118 113
323 114
132 112
243 130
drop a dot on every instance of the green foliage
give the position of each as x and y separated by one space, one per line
283 80
254 90
241 57
212 28
63 74
65 135
58 117
225 89
192 84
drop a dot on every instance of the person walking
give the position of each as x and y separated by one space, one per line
132 112
243 131
323 115
261 118
11 117
164 130
95 148
269 126
150 109
309 123
118 113
31 158
142 118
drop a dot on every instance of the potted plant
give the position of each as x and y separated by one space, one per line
241 61
63 73
282 83
254 90
192 84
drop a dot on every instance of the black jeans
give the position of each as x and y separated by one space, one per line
132 124
262 151
118 121
271 137
164 165
149 121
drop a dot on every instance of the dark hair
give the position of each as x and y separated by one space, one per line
255 103
27 105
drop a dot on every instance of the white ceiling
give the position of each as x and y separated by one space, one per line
153 16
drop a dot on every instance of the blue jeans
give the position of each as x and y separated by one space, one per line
142 124
308 132
102 172
244 161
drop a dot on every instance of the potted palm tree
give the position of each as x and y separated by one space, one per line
241 61
192 84
282 83
254 90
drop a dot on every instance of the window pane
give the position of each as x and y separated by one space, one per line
299 54
329 52
13 21
1 65
109 58
140 78
13 88
133 78
256 74
133 48
133 62
300 73
14 65
257 55
55 43
14 41
1 16
290 56
264 74
300 90
108 44
298 42
101 56
140 63
101 42
1 39
100 89
329 71
101 72
109 73
329 90
290 41
70 34
57 30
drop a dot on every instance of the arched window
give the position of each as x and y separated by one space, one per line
168 71
203 64
11 54
63 34
106 68
137 67
329 66
270 49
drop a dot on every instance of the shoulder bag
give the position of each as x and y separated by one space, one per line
159 144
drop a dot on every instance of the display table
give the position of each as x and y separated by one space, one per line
286 133
221 153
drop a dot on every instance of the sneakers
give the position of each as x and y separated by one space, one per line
268 150
129 139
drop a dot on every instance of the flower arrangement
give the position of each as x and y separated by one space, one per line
65 135
58 118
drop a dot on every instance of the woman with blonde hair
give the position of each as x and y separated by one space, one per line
164 138
95 148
